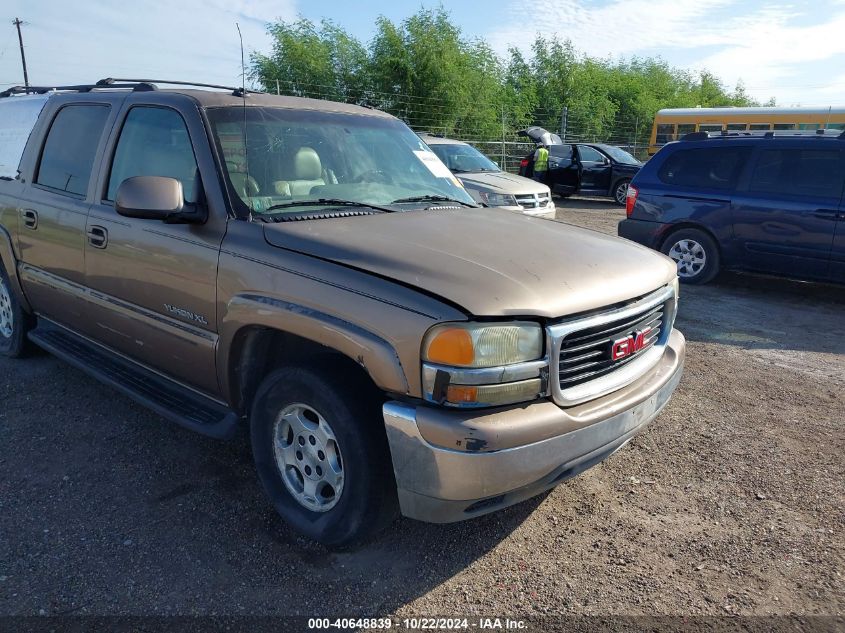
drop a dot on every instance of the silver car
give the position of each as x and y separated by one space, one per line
487 183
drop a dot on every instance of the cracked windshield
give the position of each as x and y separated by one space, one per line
287 158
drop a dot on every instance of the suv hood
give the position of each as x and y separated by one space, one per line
490 262
501 182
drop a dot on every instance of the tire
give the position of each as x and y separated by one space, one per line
14 322
696 254
620 191
308 425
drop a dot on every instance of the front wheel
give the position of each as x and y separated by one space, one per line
620 192
695 254
14 322
321 454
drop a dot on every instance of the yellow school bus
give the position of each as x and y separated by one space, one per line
673 123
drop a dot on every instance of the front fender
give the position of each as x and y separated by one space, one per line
376 355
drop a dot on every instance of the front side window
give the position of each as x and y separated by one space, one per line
800 172
463 158
154 142
71 147
294 156
704 168
589 155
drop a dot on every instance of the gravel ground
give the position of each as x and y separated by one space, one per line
730 503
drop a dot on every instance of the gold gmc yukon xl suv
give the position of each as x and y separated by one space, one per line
312 270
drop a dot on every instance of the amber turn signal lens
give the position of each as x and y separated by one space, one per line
451 346
458 394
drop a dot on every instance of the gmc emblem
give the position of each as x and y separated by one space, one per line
624 347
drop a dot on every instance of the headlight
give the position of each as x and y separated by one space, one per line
483 345
498 199
483 364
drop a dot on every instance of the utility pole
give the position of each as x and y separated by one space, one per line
17 22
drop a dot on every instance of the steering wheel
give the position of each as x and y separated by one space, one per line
374 175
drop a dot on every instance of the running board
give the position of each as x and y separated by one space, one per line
166 397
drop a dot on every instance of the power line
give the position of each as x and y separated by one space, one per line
17 22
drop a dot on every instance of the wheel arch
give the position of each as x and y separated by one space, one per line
674 228
253 343
9 261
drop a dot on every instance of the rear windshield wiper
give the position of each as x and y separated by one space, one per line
326 202
430 198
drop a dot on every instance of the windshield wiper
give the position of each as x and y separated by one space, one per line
430 198
326 202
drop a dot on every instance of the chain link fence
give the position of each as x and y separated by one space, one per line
502 145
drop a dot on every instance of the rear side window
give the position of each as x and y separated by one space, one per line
704 168
71 147
800 172
17 118
560 151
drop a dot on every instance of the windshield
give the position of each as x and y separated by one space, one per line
462 158
620 155
289 157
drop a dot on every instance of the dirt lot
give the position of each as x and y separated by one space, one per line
731 503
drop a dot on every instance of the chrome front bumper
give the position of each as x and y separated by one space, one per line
451 466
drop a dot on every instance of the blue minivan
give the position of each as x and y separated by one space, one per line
769 203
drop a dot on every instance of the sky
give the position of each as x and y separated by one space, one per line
792 51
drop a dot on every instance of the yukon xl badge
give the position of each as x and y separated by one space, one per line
186 314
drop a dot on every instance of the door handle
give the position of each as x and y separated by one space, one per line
826 214
30 218
98 237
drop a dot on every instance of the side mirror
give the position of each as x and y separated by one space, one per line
155 198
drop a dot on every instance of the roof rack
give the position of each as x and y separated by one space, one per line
135 85
40 90
236 91
820 133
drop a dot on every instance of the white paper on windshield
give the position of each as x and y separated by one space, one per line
434 164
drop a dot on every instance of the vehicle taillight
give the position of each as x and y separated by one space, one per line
630 200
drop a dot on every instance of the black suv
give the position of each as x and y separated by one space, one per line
770 203
590 169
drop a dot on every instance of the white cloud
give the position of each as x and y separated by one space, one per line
770 47
186 39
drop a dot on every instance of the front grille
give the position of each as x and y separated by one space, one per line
586 354
637 331
532 200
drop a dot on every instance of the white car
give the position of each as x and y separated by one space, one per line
487 183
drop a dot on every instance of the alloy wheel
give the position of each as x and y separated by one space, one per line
621 192
308 457
7 321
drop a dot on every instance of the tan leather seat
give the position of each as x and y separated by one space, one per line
308 173
245 185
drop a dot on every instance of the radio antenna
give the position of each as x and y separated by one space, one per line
245 137
829 112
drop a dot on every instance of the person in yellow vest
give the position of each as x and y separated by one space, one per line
541 163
